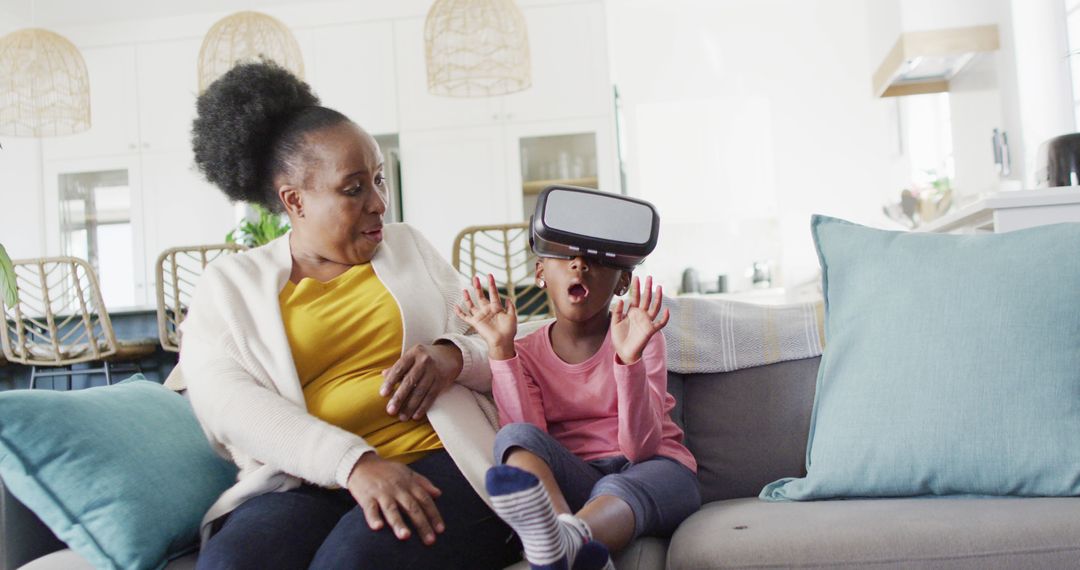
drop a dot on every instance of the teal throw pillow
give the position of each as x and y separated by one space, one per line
123 474
952 365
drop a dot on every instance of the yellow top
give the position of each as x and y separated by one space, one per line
343 334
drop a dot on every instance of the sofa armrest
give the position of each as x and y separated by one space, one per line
23 537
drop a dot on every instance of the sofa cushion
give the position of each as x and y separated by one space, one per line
123 474
749 427
676 387
948 369
883 533
645 553
70 560
23 537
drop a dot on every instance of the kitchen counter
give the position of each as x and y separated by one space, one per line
1008 211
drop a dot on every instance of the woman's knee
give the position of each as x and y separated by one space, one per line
237 551
217 554
353 544
346 550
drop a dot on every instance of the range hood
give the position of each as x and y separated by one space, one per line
924 62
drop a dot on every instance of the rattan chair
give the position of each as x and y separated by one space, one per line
178 269
59 320
503 251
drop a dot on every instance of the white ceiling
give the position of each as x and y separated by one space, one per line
46 13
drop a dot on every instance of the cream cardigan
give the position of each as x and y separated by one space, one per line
236 363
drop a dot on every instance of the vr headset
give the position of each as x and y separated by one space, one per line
615 230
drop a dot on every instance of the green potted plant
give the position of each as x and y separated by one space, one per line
267 227
7 279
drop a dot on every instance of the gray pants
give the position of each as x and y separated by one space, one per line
660 491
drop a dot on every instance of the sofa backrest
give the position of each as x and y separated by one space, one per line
746 428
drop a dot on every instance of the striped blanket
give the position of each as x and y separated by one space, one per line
712 335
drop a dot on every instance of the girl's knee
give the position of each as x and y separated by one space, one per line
524 435
521 430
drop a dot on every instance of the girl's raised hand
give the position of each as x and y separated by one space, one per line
493 320
630 332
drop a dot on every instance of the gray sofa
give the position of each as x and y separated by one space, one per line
748 428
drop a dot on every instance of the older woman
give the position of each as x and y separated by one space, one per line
313 361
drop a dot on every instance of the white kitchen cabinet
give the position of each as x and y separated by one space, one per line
184 207
142 98
568 49
171 204
131 165
452 179
461 157
420 109
114 126
570 75
1009 211
603 164
455 178
21 227
352 70
168 86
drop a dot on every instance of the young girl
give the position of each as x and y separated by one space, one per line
587 451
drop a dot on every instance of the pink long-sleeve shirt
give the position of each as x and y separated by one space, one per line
597 408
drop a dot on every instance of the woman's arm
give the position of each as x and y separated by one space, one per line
234 397
475 372
641 389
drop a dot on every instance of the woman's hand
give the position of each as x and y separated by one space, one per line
632 331
385 489
422 373
493 320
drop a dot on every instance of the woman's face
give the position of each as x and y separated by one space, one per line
337 208
580 288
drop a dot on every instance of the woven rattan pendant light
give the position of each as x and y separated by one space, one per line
244 37
476 48
44 89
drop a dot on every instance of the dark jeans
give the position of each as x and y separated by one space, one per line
321 528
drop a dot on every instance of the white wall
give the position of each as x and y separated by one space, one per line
20 232
919 15
18 183
1042 75
743 118
886 22
1022 89
976 108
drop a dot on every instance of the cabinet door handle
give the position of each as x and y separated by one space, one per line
131 146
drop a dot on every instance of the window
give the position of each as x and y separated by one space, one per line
929 140
95 225
1072 20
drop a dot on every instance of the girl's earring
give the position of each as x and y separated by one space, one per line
621 291
541 283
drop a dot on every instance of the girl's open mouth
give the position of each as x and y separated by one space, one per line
578 293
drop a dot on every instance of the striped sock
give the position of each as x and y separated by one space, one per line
593 556
550 543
